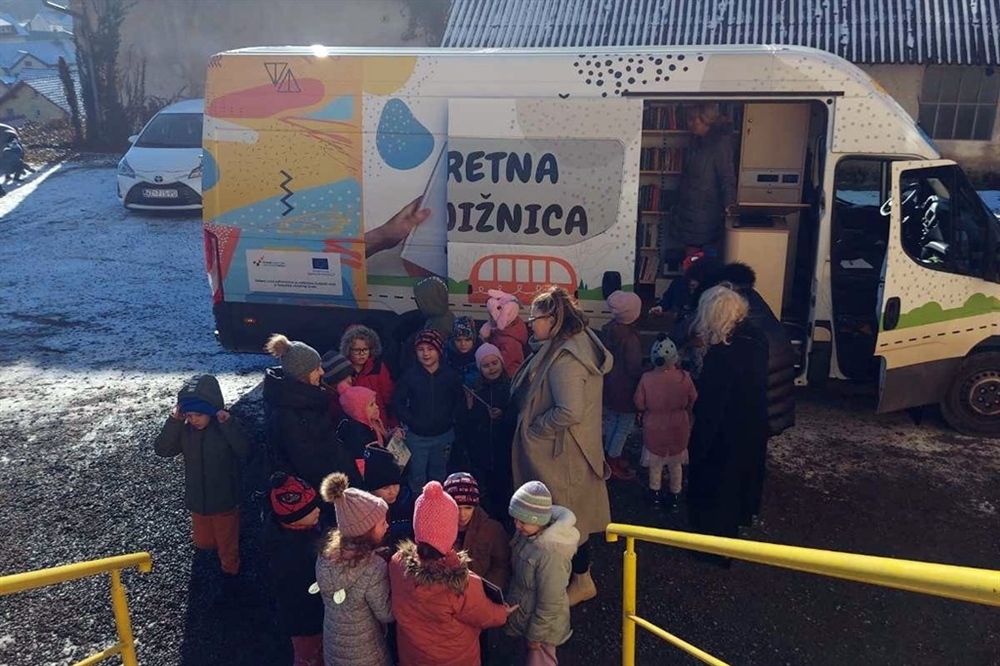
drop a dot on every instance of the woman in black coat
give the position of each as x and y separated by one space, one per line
730 416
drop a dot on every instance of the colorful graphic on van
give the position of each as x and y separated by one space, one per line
355 176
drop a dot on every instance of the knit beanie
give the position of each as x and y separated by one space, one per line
531 504
194 404
464 328
336 368
664 352
429 336
357 511
464 488
292 498
355 400
435 518
381 469
625 306
297 358
485 351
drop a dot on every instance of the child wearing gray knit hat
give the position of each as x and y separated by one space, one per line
541 560
298 360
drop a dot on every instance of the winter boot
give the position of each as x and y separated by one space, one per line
654 497
671 501
581 588
620 469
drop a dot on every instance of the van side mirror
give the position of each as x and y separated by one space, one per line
132 139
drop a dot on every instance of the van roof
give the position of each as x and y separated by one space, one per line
728 49
186 106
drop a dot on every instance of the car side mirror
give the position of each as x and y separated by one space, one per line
132 139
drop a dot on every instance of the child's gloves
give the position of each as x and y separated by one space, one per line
222 416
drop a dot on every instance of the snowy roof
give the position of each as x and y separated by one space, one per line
53 17
11 25
960 32
48 51
51 88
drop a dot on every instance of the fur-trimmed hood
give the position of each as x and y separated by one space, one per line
451 571
561 536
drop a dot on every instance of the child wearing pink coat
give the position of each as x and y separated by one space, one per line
665 399
505 329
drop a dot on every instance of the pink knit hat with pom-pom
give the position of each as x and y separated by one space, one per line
435 518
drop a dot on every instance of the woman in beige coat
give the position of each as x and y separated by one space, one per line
558 393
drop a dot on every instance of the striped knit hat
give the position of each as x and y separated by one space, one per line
531 504
464 488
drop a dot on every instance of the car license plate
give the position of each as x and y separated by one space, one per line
159 194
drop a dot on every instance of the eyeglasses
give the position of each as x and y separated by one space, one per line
360 350
532 320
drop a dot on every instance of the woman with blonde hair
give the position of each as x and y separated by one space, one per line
730 416
558 392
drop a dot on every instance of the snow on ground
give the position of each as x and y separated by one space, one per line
100 310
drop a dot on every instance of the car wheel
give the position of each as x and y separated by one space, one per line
972 404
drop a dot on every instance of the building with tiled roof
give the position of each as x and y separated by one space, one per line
38 100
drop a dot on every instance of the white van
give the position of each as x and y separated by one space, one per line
335 179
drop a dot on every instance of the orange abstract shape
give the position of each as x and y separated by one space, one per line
347 249
384 75
267 100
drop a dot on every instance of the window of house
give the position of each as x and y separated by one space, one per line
945 225
959 102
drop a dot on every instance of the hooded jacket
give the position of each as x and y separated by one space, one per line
357 606
622 340
512 342
429 404
212 457
781 356
488 548
440 608
707 186
301 434
542 566
558 434
431 296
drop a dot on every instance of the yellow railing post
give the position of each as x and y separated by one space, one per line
628 603
120 605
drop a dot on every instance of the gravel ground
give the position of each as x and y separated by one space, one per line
103 314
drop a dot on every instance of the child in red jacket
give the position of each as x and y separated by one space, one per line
440 606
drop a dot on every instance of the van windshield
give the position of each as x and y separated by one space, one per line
172 130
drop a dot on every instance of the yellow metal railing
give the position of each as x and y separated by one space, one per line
981 586
34 579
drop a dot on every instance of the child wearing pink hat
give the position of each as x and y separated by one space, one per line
353 579
621 337
491 423
440 606
362 425
505 329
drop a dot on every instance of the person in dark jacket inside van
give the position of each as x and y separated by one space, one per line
781 359
214 448
708 182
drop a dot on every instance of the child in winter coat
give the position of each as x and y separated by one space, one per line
440 606
214 448
481 537
291 541
505 329
622 339
384 479
491 430
541 555
363 423
461 350
665 397
431 296
362 347
353 579
429 400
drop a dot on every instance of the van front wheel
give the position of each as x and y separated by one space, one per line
972 404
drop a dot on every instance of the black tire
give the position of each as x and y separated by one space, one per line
972 404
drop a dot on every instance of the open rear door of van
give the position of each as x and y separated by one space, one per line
909 349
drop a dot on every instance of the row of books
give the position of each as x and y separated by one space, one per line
664 118
648 266
655 198
649 234
662 159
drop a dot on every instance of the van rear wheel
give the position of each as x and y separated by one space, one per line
972 404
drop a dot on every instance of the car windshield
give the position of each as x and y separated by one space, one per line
172 130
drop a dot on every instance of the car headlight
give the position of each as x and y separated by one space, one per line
125 170
196 172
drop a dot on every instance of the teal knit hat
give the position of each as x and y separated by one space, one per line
531 504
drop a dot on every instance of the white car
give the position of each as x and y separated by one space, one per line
162 169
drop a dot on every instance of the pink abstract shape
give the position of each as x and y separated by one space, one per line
266 100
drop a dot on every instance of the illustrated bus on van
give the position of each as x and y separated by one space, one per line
526 166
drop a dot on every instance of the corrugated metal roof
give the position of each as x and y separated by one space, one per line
960 32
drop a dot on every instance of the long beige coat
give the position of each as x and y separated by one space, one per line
558 437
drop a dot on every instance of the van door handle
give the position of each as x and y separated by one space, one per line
890 318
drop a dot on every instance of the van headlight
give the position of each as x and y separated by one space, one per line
125 170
